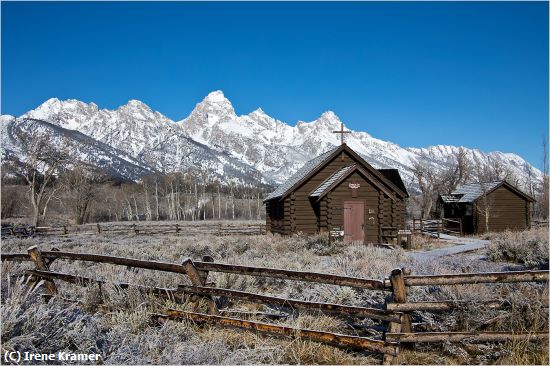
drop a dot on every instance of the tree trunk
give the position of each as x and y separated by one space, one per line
157 199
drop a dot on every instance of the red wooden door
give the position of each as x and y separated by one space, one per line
354 221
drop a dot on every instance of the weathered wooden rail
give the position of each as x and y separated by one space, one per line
394 317
540 223
140 228
17 231
435 337
340 340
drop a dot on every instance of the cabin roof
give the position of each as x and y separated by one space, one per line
310 167
470 192
331 180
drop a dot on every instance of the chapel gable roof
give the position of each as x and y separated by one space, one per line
315 164
341 174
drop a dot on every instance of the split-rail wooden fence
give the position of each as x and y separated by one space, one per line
141 228
394 316
436 227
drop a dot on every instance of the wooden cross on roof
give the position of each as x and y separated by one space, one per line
341 132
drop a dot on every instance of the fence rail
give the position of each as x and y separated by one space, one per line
329 308
435 337
395 316
340 340
540 223
436 227
435 306
468 278
219 229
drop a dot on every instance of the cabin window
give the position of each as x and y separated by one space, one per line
468 211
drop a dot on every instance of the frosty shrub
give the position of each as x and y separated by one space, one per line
529 248
320 244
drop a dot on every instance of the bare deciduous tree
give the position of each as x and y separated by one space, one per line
40 168
426 181
457 171
486 173
80 188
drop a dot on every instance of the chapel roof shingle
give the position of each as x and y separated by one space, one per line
307 168
331 180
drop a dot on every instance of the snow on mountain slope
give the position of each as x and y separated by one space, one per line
132 128
214 138
84 149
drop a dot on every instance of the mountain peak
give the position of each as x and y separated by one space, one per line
328 119
329 115
134 103
45 110
258 112
214 107
216 96
51 101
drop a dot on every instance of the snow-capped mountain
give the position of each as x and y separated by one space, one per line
19 135
215 139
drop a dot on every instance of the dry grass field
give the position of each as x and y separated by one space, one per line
116 324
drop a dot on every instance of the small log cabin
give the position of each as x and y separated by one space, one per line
496 206
339 190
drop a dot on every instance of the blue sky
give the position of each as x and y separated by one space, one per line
418 74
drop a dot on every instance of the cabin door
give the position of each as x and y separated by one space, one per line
354 221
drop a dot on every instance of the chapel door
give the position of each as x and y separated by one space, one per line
354 221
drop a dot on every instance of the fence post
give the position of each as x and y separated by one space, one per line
400 296
177 228
392 328
198 279
204 274
65 231
41 265
136 231
460 225
98 229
